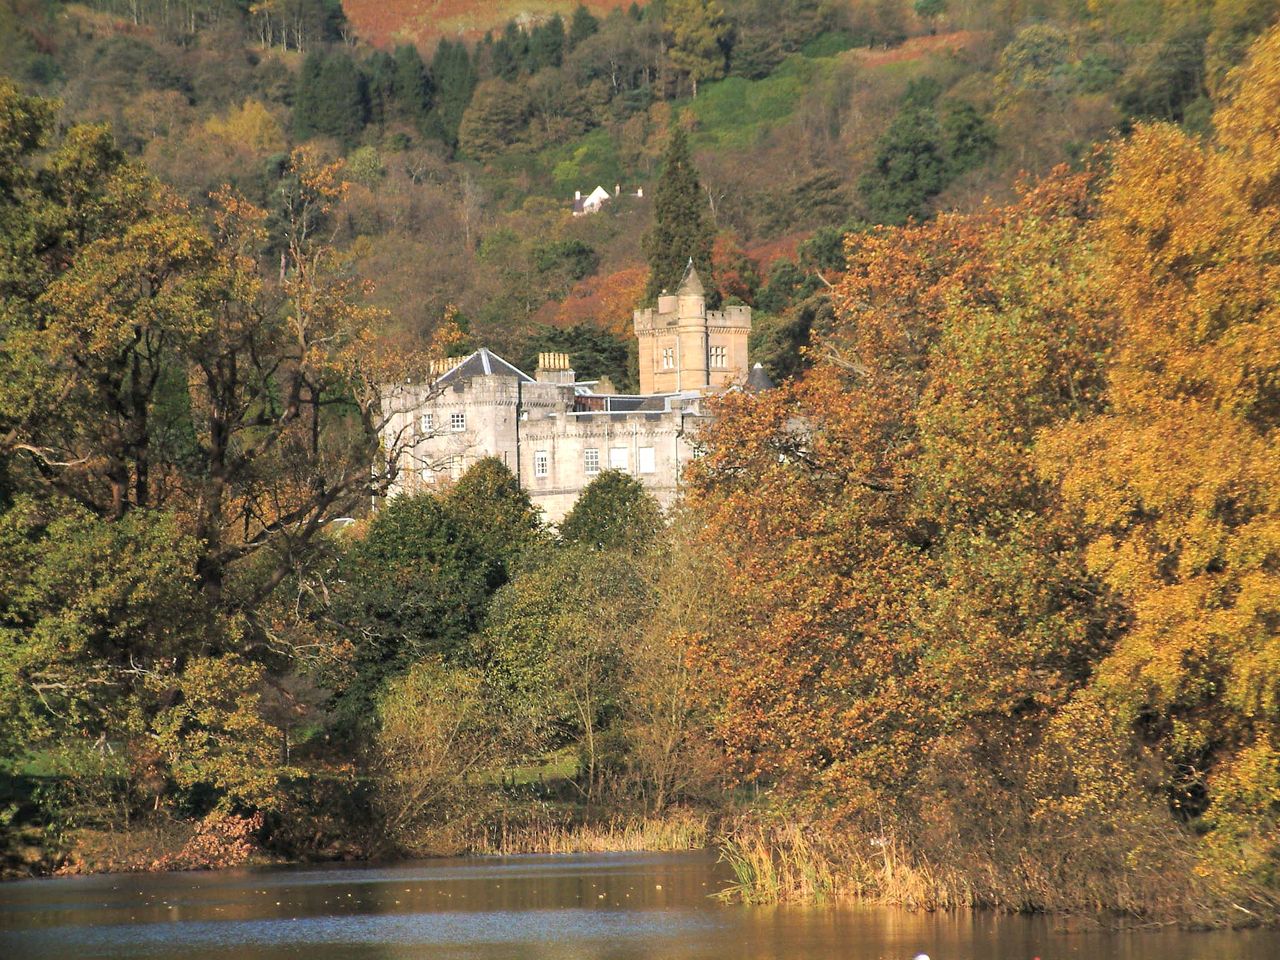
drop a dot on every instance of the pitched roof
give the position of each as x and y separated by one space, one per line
483 363
691 283
758 380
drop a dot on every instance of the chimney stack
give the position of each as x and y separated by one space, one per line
554 368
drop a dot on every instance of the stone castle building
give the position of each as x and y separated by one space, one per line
555 432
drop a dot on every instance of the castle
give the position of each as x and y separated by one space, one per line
555 432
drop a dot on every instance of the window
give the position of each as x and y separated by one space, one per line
618 458
647 460
720 357
541 463
428 424
591 461
668 357
457 422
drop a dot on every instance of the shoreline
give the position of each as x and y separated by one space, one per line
770 866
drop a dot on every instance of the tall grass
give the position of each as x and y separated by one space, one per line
1127 882
552 832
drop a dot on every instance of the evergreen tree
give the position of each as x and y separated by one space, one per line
908 171
546 45
680 228
593 352
699 36
380 84
583 25
967 137
306 97
412 84
332 100
510 52
614 512
455 81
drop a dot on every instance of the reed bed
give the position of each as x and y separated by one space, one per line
553 833
1113 885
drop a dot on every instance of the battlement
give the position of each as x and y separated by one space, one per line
734 315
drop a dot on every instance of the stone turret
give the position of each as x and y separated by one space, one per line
683 346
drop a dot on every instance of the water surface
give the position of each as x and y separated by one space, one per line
610 907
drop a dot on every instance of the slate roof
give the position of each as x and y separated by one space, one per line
758 380
483 363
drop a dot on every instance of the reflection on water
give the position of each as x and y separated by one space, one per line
617 907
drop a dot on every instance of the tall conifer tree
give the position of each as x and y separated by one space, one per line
455 80
680 229
583 25
413 88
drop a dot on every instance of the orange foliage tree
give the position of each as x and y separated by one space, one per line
881 511
1002 565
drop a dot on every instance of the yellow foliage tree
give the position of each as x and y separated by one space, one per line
251 127
1177 484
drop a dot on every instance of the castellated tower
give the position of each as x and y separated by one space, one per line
684 347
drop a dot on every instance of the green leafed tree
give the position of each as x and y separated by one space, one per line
908 171
553 651
680 231
614 512
415 585
493 510
698 36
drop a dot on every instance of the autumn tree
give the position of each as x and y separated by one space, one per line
875 560
680 230
1175 482
495 119
192 382
228 411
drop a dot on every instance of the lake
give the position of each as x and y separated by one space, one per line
611 907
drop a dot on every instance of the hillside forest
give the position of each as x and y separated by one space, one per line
979 606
